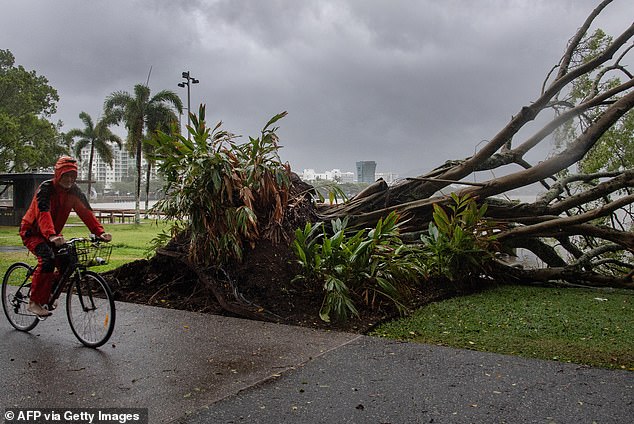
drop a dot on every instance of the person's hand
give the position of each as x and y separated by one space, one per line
58 241
105 237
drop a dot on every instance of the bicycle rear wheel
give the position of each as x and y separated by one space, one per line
90 309
16 290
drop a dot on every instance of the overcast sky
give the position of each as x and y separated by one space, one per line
408 84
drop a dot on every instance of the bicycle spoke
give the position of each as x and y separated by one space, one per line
91 310
16 287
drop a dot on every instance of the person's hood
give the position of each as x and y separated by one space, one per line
64 164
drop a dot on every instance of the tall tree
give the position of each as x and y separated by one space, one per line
98 137
135 112
166 121
28 140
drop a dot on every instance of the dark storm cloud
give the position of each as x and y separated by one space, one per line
406 83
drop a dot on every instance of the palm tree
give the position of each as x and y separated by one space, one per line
98 138
163 120
135 112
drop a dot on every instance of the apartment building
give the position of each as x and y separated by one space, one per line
123 166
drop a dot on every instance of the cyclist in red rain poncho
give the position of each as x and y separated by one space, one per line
41 227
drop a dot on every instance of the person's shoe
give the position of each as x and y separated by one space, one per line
38 310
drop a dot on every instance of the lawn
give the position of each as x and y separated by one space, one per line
585 326
130 242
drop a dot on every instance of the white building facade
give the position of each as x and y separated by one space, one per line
335 175
123 166
388 177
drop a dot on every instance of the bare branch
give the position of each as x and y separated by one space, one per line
558 188
624 180
564 64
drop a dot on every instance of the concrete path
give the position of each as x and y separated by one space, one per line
171 362
193 368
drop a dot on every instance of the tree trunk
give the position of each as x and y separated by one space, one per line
137 194
92 156
148 173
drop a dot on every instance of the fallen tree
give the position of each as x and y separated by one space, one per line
580 226
227 200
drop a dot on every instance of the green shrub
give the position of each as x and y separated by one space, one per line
357 266
460 243
224 195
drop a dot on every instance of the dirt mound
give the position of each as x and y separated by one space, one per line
263 280
261 284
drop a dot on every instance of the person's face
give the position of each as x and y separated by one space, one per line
67 180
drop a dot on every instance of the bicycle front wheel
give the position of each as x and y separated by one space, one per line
90 309
16 290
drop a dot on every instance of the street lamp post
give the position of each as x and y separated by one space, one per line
188 80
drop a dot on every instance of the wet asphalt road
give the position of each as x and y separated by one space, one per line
376 381
193 368
171 362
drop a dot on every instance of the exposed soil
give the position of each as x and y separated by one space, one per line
264 278
263 281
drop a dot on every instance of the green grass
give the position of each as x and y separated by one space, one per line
130 242
593 327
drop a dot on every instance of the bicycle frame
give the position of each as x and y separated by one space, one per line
62 282
71 269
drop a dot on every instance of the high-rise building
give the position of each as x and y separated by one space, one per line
123 166
366 171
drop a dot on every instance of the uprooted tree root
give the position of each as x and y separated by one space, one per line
258 288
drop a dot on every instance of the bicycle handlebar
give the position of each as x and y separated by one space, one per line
93 238
63 249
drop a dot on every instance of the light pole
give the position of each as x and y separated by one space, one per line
188 80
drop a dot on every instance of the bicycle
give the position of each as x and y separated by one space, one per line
90 304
